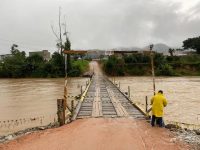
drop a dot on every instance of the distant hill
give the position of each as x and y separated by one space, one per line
127 49
160 47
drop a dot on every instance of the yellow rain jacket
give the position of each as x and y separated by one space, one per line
158 102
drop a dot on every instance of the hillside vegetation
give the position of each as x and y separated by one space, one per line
20 66
139 65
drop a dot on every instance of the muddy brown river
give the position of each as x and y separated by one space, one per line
32 102
27 103
182 93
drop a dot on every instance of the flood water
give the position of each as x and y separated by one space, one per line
182 93
32 102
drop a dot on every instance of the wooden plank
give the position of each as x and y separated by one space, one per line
121 111
97 107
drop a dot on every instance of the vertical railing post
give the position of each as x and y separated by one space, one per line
129 92
152 68
81 89
61 111
146 104
72 107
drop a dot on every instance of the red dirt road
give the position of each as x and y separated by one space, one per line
99 134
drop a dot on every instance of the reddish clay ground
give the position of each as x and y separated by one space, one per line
99 134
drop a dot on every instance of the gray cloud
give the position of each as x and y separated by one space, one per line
97 23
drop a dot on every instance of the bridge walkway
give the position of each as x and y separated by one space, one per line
104 99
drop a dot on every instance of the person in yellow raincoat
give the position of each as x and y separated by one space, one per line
158 102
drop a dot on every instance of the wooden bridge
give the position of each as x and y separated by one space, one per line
104 99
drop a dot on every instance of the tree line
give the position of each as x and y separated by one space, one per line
19 66
139 65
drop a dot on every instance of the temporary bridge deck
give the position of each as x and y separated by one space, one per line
104 99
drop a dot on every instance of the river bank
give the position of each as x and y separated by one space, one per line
139 65
191 137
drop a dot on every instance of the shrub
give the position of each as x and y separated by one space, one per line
165 70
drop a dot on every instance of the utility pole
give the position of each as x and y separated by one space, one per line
152 69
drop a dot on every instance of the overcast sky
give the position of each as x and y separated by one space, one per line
101 24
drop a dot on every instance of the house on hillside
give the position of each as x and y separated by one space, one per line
121 54
44 53
94 54
109 53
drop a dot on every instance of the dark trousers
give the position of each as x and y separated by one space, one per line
157 120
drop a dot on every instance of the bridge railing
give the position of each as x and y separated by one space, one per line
66 109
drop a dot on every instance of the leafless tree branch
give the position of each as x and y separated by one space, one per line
54 32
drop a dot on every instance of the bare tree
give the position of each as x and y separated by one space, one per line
58 36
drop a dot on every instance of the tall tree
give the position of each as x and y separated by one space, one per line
193 43
67 46
171 51
14 49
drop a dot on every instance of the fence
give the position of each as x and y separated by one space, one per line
13 125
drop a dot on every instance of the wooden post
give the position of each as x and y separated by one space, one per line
152 69
81 89
146 106
72 107
65 94
129 92
61 111
64 101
